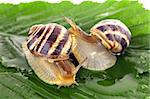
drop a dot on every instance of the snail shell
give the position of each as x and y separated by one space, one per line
85 46
50 42
113 34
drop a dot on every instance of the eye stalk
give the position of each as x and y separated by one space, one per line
77 31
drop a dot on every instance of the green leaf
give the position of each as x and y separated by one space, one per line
16 86
11 51
129 78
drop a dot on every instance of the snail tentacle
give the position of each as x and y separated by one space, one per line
77 31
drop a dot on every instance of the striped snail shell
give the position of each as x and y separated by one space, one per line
113 34
46 50
50 40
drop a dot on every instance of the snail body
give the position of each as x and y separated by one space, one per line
86 46
46 50
96 55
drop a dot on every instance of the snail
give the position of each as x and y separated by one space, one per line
46 50
87 46
110 33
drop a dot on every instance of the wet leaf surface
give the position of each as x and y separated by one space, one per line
128 79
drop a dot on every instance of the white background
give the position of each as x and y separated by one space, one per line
146 3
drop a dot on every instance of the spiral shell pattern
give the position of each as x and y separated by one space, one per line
113 34
49 40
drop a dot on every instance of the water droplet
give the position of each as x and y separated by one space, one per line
147 97
144 87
